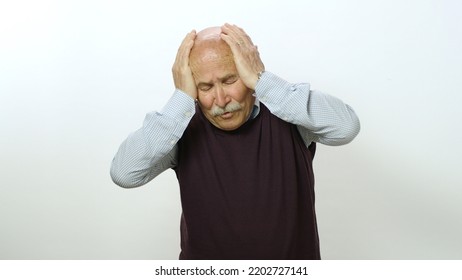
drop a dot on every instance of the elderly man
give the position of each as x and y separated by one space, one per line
241 141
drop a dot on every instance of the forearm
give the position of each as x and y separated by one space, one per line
319 117
152 149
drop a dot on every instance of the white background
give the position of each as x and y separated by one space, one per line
76 77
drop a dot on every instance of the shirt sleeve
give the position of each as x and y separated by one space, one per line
152 149
319 117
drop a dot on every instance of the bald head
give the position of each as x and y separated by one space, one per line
209 34
208 45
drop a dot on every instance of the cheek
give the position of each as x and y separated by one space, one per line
205 100
238 92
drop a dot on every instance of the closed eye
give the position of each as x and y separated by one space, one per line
230 80
204 87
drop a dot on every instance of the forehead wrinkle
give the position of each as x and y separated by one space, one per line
209 60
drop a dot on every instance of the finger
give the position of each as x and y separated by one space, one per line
182 75
238 34
188 41
235 48
234 34
242 33
185 47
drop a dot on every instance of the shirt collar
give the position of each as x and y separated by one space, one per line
255 110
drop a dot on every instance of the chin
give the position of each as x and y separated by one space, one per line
229 128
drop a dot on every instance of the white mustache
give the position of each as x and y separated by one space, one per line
231 107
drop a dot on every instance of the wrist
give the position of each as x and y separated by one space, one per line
255 80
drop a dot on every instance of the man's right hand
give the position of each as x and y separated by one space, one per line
182 74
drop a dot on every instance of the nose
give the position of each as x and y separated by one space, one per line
221 98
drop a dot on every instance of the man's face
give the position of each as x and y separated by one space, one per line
224 99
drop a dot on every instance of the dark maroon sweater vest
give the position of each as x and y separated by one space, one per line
247 193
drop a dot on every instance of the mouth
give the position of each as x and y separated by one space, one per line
227 115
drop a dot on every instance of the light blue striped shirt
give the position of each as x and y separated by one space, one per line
153 149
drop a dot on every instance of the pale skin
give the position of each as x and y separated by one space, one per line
219 68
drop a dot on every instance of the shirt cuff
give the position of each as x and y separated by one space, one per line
179 107
271 88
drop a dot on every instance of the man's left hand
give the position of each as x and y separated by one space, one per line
246 55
